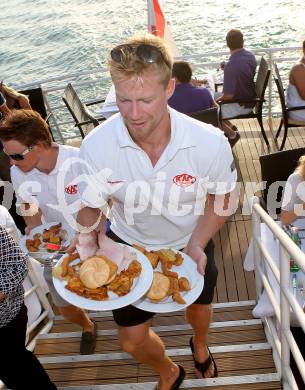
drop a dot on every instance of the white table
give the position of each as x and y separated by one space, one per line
264 307
109 107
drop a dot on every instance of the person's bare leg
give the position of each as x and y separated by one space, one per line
199 317
77 316
146 347
227 128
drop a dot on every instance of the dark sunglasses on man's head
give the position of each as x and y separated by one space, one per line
19 156
147 53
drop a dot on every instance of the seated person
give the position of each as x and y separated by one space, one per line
238 83
296 89
13 98
188 97
293 204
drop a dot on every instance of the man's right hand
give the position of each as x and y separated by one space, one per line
222 65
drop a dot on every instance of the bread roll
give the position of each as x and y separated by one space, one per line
113 268
159 288
94 272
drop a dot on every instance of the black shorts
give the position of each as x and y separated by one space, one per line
132 316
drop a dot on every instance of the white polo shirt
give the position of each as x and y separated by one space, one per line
160 205
55 193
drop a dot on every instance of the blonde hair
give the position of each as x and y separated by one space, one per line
132 65
300 169
11 92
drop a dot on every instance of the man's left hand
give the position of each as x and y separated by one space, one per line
198 255
72 247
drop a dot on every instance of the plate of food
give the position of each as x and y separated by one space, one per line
176 281
96 283
47 239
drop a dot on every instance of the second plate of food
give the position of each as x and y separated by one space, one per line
176 287
52 233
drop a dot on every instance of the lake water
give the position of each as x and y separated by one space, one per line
47 38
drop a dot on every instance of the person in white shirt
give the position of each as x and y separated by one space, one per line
296 89
165 173
45 185
293 204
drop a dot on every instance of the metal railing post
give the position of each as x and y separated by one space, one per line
49 109
256 227
285 314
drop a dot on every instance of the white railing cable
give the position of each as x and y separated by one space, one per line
269 260
283 342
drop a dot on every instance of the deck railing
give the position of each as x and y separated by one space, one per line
94 84
278 327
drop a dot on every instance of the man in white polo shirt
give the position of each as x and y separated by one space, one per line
43 174
165 173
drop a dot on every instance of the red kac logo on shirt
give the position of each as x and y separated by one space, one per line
184 180
71 189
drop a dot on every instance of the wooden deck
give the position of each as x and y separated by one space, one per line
232 325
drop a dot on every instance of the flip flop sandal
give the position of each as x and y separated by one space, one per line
203 367
88 342
178 381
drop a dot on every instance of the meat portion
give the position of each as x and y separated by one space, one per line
93 244
87 245
117 253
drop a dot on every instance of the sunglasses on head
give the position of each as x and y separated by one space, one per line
146 53
19 156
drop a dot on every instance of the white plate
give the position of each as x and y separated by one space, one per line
187 269
43 253
139 288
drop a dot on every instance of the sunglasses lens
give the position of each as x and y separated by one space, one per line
117 54
147 53
16 157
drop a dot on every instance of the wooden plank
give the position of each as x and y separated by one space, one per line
226 367
248 386
98 372
244 244
221 289
66 326
237 262
228 266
